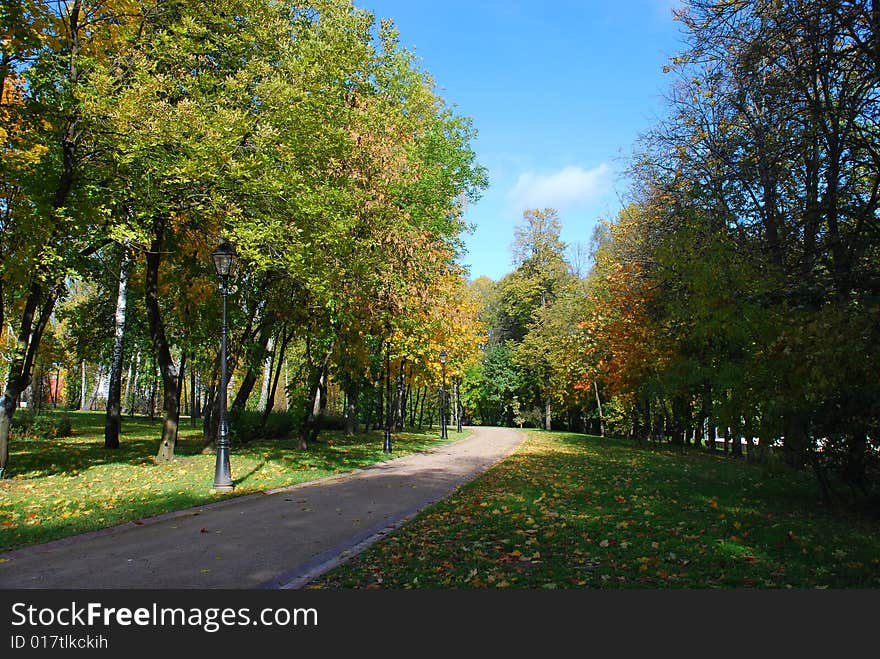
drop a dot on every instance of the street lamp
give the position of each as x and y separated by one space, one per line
443 433
390 330
224 257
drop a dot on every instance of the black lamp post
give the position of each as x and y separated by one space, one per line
390 330
223 256
443 433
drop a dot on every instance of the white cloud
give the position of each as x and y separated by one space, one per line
569 187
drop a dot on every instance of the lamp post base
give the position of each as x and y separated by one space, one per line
222 474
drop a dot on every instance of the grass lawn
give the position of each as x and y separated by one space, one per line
71 485
572 511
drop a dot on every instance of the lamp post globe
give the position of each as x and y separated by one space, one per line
224 258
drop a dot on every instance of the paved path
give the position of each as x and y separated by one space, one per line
280 539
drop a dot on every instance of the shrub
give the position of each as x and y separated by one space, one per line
333 422
278 425
63 425
22 420
42 426
245 425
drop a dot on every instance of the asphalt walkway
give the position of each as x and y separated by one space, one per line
278 539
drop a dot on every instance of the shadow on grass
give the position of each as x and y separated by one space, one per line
130 511
36 458
66 486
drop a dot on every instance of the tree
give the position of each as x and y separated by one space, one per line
748 239
541 275
49 207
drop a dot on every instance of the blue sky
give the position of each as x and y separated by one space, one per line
558 92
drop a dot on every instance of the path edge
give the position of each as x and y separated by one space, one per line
304 573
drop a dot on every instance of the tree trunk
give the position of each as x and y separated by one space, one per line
154 389
676 420
83 400
267 375
93 398
320 413
210 413
161 347
400 407
316 403
124 399
710 421
736 442
113 422
135 383
21 368
369 417
57 389
548 425
35 391
455 416
379 411
422 407
749 431
181 380
350 410
702 423
855 464
285 341
7 407
194 410
250 379
599 406
286 388
414 407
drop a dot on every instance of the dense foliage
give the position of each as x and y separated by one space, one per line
735 301
137 136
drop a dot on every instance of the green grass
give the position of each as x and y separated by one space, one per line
572 511
71 485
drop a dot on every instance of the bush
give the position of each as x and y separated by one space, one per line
63 425
333 422
244 425
23 420
533 418
42 426
279 425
